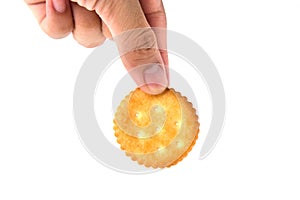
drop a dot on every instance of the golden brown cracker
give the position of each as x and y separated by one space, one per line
156 130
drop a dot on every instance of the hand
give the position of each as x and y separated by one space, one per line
92 21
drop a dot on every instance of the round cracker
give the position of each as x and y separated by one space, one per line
156 130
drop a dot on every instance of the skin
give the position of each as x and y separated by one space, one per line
93 21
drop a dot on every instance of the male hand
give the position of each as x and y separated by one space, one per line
92 21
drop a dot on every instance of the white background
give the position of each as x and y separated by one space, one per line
255 46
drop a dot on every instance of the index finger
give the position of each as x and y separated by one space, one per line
156 16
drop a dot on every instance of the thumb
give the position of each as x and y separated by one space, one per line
137 43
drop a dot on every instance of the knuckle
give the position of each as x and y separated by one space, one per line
107 8
92 4
89 43
57 32
139 46
96 4
145 54
142 40
141 56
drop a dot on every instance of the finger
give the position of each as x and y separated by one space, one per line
87 27
156 17
144 61
54 16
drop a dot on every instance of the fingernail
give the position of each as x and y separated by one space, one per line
60 5
156 78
